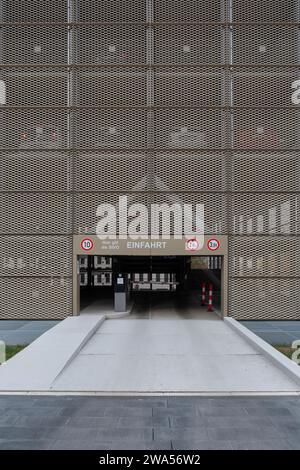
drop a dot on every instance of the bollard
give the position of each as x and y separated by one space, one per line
203 294
210 298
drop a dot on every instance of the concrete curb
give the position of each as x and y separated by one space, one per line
111 316
81 345
285 364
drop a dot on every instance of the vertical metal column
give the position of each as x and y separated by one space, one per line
1 30
72 15
150 95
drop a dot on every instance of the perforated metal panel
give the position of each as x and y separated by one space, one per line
110 129
43 11
265 11
111 11
35 298
267 129
111 44
106 88
265 256
265 172
257 299
35 87
36 256
200 129
33 129
110 172
24 213
191 11
34 44
273 87
215 220
188 45
264 214
265 45
189 87
35 171
165 101
190 172
86 206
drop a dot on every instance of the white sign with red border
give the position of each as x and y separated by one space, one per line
87 244
213 244
192 244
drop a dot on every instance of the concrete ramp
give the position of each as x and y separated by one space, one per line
172 356
37 366
94 355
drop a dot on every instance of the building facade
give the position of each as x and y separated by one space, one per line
189 101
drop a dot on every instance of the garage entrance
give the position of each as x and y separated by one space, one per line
184 285
179 275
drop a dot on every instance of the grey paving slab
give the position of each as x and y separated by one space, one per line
185 411
110 445
189 434
200 445
11 324
39 325
25 444
281 337
19 432
13 338
263 444
275 332
262 426
140 422
23 332
294 442
259 326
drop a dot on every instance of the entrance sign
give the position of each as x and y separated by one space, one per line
213 244
87 244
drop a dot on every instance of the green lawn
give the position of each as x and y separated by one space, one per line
12 350
286 350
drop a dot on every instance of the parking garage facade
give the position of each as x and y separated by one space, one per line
193 102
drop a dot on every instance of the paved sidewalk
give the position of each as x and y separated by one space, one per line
149 423
275 332
14 332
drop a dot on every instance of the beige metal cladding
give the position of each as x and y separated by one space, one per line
165 101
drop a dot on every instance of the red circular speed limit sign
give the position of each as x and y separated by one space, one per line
213 244
192 244
87 244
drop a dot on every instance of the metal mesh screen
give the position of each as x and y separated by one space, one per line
35 298
36 256
110 172
35 213
262 299
35 171
166 101
265 256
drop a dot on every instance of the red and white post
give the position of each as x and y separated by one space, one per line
210 298
203 295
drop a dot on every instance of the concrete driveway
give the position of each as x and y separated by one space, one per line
163 347
161 355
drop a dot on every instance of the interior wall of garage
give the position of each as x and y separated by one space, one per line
166 101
